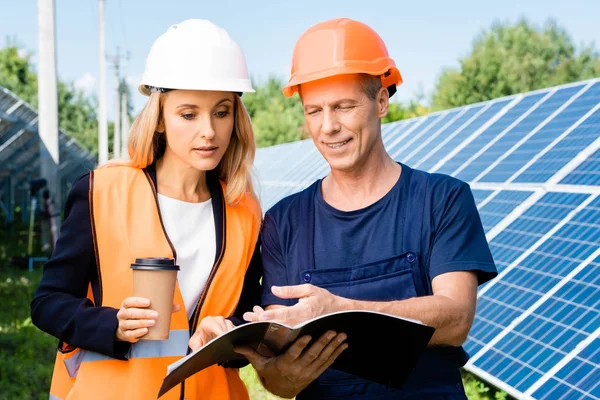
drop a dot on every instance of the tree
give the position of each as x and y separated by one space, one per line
17 76
76 110
276 119
510 59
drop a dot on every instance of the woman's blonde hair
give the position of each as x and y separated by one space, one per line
146 145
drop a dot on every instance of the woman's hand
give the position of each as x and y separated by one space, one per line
208 329
135 319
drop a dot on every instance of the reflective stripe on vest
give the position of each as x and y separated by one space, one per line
175 346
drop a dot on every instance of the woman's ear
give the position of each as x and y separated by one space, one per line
160 127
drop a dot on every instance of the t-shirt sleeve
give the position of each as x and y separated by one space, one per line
460 243
274 268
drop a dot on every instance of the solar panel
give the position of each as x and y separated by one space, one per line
533 163
496 209
20 154
588 173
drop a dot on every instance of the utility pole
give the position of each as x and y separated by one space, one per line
48 107
102 125
117 123
124 126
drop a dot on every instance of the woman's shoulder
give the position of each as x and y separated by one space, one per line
114 171
247 202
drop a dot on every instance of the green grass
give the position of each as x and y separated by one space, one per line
27 355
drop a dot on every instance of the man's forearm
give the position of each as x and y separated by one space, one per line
451 319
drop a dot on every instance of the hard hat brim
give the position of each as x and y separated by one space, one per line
393 79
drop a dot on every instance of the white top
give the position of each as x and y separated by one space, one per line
191 228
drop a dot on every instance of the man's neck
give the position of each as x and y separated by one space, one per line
353 190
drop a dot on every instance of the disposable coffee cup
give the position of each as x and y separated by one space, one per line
154 279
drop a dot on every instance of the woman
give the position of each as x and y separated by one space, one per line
186 193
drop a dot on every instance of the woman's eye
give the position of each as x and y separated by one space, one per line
188 116
222 114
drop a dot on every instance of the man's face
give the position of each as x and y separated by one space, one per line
343 121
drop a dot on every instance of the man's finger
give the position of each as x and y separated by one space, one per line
255 359
250 316
331 359
293 292
295 350
258 309
333 345
316 349
276 314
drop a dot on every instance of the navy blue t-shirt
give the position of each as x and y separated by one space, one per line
357 254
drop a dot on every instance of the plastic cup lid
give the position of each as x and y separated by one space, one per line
155 264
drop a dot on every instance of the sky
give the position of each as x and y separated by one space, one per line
423 37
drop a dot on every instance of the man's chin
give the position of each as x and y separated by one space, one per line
341 164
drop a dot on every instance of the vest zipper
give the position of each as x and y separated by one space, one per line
155 192
213 272
196 313
98 299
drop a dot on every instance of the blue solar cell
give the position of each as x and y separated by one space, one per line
430 125
480 195
452 140
534 223
579 378
419 149
491 133
389 132
510 296
517 133
549 132
567 312
567 149
588 173
500 206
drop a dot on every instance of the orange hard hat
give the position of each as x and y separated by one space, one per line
341 46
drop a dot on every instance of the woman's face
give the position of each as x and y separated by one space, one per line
198 126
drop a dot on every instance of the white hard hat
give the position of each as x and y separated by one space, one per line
197 55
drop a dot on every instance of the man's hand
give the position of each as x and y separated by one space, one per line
208 329
313 302
288 374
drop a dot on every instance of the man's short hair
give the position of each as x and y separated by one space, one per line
370 84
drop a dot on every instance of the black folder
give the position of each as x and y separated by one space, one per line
382 348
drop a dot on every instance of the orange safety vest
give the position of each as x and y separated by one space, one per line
126 224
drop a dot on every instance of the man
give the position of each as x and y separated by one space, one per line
374 234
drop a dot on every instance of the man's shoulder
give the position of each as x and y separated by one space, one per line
290 204
439 184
